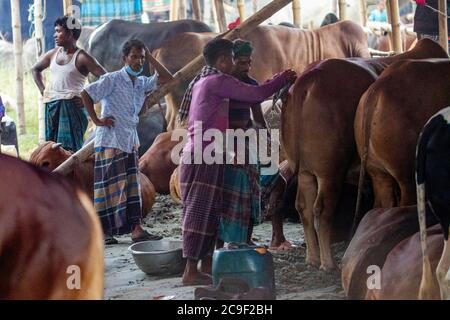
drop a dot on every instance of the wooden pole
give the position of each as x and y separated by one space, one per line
67 4
443 31
18 62
342 10
389 20
181 9
241 8
185 73
220 13
40 49
395 24
363 12
173 10
334 6
296 11
196 10
255 5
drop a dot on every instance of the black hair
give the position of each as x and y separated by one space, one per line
130 44
71 24
216 48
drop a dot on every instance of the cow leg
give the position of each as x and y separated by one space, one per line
383 189
407 193
306 195
442 270
324 208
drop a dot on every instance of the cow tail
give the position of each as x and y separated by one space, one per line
421 155
369 102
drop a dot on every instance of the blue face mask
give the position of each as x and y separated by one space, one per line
133 73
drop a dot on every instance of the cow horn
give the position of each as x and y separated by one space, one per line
56 145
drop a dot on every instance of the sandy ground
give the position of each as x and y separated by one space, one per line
293 278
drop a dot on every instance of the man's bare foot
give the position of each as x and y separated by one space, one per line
206 265
196 279
283 246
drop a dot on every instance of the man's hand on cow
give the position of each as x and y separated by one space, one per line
106 122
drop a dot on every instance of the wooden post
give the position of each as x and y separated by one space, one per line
40 49
196 10
443 31
342 10
297 13
241 8
395 24
185 73
255 6
334 7
67 4
363 12
173 10
18 62
181 9
220 13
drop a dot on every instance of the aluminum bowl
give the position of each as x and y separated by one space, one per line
159 257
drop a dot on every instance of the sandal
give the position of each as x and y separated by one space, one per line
146 236
110 240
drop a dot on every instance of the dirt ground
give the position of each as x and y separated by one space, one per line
293 278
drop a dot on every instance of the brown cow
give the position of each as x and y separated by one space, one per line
50 155
388 121
157 164
402 272
378 233
319 113
49 235
276 48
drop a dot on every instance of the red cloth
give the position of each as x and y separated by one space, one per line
420 2
234 24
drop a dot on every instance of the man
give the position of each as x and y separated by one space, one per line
117 197
426 19
65 117
379 14
205 105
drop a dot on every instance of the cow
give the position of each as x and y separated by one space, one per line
388 121
157 164
378 233
275 48
106 42
51 241
50 155
317 135
402 270
433 191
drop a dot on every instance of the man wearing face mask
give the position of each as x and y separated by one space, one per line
116 175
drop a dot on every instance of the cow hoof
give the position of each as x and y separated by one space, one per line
329 267
313 262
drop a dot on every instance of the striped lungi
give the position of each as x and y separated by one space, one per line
117 198
65 123
201 189
241 196
96 12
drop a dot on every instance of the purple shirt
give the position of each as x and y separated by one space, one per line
210 96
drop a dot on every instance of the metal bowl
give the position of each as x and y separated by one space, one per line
160 257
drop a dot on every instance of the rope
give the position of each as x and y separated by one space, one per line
436 10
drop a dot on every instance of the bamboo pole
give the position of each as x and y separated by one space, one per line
40 49
181 9
443 31
67 4
173 10
18 62
241 8
297 13
255 6
389 20
196 10
342 10
220 14
185 73
363 12
334 6
395 24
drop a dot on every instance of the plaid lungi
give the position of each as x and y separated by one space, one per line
241 196
96 12
65 123
201 190
117 193
156 5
